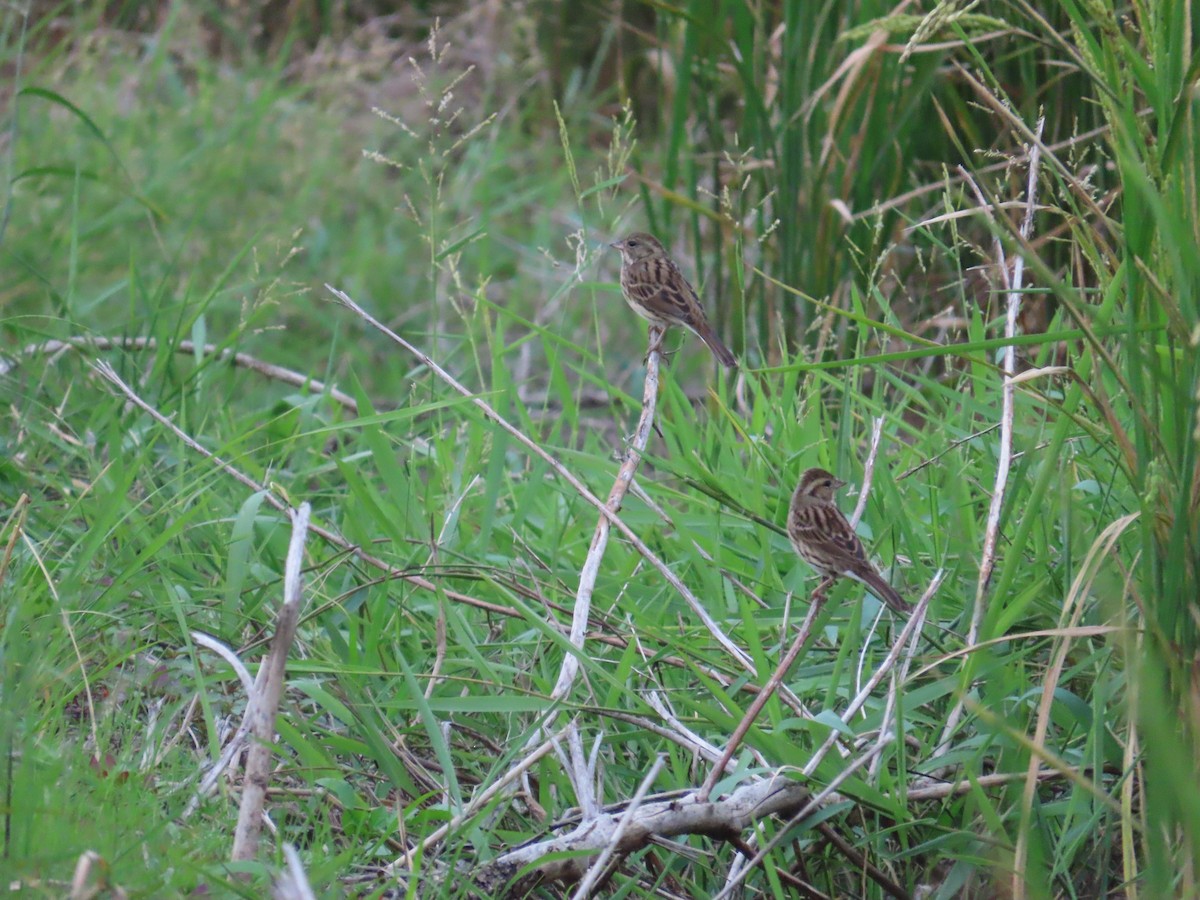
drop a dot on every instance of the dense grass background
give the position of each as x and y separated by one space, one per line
192 173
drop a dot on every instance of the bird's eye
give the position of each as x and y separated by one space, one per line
632 243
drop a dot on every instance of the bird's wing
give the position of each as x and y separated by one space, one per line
662 289
826 526
847 540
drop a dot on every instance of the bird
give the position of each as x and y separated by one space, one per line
656 290
825 540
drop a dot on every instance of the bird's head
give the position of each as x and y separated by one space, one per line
818 485
638 245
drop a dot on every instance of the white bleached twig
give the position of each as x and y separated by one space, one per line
564 473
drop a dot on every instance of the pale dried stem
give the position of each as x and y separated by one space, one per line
478 802
234 746
616 496
630 535
581 775
244 360
226 653
292 883
868 471
1013 283
268 689
1008 367
893 696
596 869
272 500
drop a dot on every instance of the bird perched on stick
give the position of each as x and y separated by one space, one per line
655 288
826 541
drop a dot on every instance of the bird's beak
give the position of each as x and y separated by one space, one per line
616 245
838 483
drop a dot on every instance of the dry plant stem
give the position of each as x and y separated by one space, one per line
1073 610
268 688
1014 284
816 602
738 873
226 653
81 878
964 785
868 471
478 801
245 360
636 542
581 775
591 565
293 884
564 857
893 697
910 628
588 882
1008 367
107 371
569 670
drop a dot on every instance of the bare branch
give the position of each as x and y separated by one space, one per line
584 890
816 602
868 471
591 565
274 501
636 542
243 360
268 688
565 857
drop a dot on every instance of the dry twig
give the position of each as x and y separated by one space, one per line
563 472
591 565
268 689
243 360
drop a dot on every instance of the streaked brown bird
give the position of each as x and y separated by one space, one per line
657 291
826 541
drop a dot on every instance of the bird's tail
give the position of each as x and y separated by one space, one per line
723 354
883 591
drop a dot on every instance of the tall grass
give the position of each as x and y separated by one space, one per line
158 194
835 135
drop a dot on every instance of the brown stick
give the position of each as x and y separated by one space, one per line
816 601
264 703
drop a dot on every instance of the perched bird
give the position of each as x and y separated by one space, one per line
657 291
826 541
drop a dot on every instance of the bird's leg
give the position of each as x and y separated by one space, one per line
826 583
